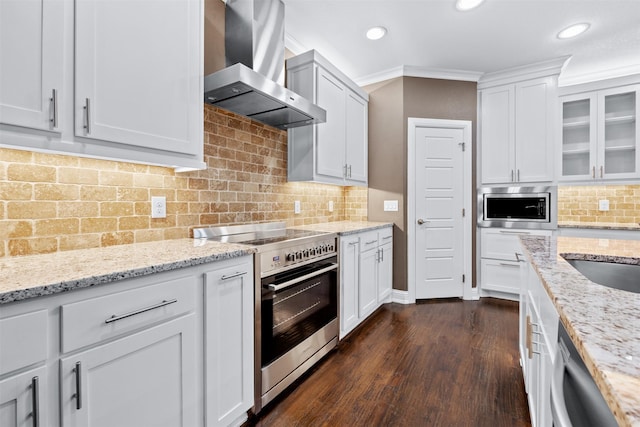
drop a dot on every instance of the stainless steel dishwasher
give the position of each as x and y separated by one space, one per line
576 400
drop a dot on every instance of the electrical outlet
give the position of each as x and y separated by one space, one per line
296 206
159 207
330 205
603 205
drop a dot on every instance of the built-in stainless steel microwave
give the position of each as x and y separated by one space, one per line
518 207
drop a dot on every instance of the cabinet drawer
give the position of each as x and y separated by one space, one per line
386 235
23 340
368 240
503 244
97 319
502 276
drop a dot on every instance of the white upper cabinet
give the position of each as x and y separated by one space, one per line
334 152
600 133
31 39
136 73
516 131
132 83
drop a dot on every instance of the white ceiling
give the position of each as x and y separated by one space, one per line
432 37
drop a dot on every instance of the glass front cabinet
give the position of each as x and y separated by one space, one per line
600 133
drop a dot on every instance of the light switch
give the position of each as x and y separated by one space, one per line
603 205
391 206
296 206
330 205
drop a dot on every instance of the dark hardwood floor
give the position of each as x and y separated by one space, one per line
437 363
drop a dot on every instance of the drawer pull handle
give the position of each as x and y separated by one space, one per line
78 371
35 396
504 264
353 243
371 242
54 108
387 237
87 115
115 318
231 276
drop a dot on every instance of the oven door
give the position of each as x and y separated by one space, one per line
296 304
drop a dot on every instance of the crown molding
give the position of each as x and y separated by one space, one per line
413 71
523 72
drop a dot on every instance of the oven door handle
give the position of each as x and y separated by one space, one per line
297 280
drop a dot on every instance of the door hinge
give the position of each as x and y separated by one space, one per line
462 145
463 278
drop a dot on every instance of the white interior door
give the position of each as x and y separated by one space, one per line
440 204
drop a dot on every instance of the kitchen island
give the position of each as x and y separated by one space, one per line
603 323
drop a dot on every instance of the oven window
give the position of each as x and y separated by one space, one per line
291 315
523 208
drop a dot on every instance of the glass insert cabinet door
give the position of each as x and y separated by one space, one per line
600 134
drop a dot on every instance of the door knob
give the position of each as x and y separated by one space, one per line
421 221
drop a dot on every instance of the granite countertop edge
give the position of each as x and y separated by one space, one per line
602 334
346 228
27 277
600 226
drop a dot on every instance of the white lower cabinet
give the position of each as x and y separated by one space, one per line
170 349
538 341
23 399
228 317
501 259
366 275
147 378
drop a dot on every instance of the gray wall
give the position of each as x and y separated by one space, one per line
391 103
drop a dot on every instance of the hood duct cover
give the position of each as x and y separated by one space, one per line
254 53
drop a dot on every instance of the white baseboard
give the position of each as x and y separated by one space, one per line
402 297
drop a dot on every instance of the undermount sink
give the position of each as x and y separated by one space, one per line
625 277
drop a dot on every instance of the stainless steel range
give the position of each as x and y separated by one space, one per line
296 300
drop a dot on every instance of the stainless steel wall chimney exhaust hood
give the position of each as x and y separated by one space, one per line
254 54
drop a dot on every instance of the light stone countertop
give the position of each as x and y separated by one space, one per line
39 275
604 323
345 228
600 225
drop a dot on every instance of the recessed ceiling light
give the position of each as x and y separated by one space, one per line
376 33
573 30
464 5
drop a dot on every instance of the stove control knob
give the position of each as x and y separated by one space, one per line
323 248
299 255
290 257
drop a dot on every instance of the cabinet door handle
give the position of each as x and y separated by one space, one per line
511 175
593 172
518 175
601 171
231 276
349 168
54 108
87 115
115 318
381 254
345 170
78 371
35 396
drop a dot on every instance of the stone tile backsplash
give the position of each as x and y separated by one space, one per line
52 203
580 204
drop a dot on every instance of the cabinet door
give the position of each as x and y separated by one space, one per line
534 130
31 62
356 140
618 131
23 399
229 314
368 286
138 73
331 95
578 137
147 378
349 277
385 273
497 134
